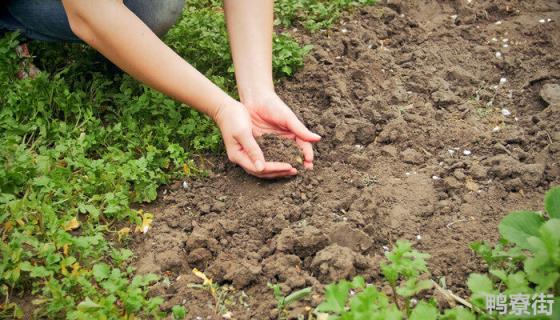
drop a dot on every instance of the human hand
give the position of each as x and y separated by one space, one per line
235 124
269 114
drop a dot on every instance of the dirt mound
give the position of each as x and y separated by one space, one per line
437 118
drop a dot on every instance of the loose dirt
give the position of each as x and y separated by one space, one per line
437 118
278 149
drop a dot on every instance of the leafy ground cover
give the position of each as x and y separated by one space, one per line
81 143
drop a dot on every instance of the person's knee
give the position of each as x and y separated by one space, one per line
159 15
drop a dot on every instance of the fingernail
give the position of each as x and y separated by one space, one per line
259 165
317 136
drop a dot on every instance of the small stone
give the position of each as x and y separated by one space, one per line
503 81
185 185
467 152
550 93
506 112
498 55
542 21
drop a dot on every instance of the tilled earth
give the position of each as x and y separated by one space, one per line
437 118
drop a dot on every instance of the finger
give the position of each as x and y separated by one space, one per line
306 149
253 151
279 174
242 159
270 167
299 129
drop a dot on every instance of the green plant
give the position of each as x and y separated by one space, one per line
531 264
406 265
403 269
524 267
179 312
284 301
313 14
220 294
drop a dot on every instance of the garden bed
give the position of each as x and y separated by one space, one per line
437 119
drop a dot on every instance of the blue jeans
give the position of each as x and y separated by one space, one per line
47 20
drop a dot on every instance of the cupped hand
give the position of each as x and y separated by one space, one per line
236 126
269 114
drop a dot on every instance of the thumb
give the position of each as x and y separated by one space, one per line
299 129
252 149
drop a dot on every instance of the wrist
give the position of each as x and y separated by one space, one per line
256 95
218 111
220 114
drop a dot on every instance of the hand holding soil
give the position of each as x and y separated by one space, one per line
265 115
270 115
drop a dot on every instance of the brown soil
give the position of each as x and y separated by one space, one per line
278 149
421 141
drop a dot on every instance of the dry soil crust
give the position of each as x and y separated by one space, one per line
422 140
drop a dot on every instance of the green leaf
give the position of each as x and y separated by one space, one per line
458 313
518 226
88 305
179 312
480 283
358 282
556 308
297 295
424 311
413 286
277 292
552 202
500 274
101 271
335 297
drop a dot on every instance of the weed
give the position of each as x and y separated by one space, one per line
284 301
533 243
218 293
179 312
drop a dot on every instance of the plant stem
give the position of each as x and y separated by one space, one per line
395 297
407 306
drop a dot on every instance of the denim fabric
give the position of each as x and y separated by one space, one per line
47 20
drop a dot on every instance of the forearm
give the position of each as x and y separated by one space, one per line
250 30
111 28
